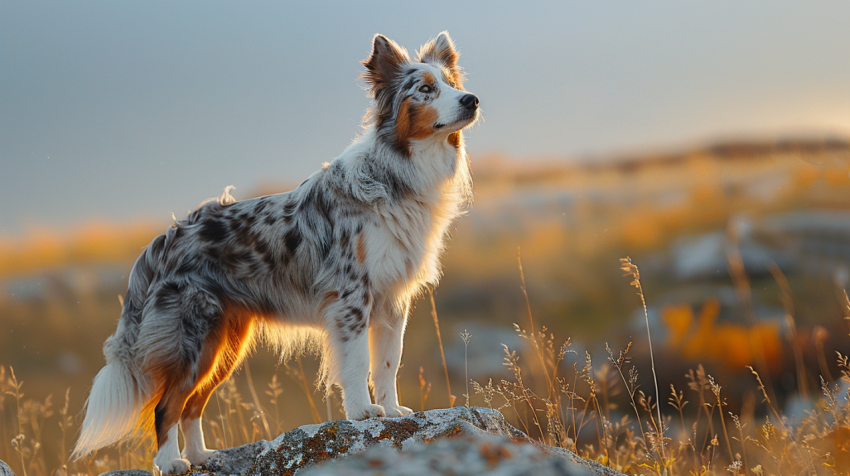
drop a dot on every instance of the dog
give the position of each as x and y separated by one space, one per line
334 264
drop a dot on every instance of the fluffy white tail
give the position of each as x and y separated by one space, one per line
114 408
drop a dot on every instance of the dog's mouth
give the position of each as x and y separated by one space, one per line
457 124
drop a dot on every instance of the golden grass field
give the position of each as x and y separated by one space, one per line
742 253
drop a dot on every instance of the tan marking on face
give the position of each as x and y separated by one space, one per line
422 120
415 122
454 139
361 249
402 122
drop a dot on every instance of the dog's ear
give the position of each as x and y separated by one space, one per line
384 63
440 50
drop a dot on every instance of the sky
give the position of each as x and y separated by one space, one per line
119 110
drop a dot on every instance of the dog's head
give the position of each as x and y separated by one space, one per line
418 100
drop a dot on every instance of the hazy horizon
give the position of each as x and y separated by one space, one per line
114 111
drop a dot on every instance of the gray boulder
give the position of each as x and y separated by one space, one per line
480 454
457 440
127 472
238 460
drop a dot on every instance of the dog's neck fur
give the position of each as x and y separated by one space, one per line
436 172
416 197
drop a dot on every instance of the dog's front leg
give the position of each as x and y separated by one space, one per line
387 325
347 323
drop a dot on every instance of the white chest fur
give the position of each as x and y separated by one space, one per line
403 249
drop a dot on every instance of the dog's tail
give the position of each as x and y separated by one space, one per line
113 410
119 406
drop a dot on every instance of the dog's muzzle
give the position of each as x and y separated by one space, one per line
469 101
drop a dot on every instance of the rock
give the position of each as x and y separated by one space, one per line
237 460
481 454
705 257
5 470
310 444
592 467
487 439
458 440
126 472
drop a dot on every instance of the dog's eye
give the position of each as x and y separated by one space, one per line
425 88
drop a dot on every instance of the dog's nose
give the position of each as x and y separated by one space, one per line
469 101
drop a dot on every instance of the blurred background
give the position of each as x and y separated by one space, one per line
708 142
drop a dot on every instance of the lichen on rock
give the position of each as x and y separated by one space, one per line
238 460
478 454
312 444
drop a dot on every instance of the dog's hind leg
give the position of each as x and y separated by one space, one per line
223 351
166 416
178 321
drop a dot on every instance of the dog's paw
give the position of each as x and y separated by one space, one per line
197 457
396 411
175 466
365 412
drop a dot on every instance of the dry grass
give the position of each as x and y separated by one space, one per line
231 419
555 395
589 421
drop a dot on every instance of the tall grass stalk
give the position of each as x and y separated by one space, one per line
744 293
632 270
424 389
440 342
314 412
791 324
715 388
466 336
3 392
630 384
18 441
273 392
222 420
257 406
66 421
779 418
534 337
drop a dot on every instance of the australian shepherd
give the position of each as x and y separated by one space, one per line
333 263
